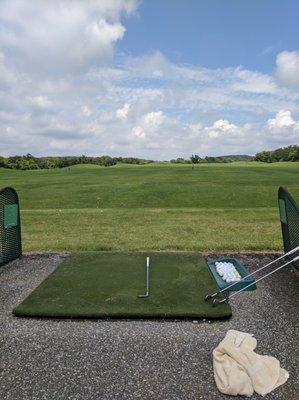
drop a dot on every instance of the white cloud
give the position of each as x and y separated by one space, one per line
122 113
62 37
40 101
7 77
157 66
282 119
284 127
220 128
149 125
138 132
254 82
65 145
86 111
154 119
61 92
287 68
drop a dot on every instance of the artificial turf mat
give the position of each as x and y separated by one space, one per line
105 284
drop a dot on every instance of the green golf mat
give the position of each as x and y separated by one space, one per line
105 284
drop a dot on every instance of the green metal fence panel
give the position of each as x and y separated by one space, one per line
11 212
289 218
10 226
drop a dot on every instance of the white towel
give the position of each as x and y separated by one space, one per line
238 370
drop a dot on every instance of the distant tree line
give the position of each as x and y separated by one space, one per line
195 159
28 161
289 153
132 160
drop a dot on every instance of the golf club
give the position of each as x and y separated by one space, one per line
217 301
146 294
210 296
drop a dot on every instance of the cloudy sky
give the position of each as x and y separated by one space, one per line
149 78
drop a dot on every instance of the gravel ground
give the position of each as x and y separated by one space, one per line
136 359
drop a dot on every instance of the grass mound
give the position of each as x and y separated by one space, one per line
155 207
105 284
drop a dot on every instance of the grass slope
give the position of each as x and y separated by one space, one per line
107 285
163 206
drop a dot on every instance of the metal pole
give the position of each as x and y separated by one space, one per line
216 301
210 296
146 294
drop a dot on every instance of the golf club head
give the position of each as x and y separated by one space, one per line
217 301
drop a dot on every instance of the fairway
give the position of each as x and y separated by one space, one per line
99 284
153 207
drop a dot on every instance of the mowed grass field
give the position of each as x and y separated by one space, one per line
153 207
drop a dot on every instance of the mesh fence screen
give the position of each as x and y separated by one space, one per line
10 226
289 217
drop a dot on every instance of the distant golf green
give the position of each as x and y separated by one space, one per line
104 284
153 207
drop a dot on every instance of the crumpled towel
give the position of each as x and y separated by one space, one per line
238 370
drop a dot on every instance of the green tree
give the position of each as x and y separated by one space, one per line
2 162
195 159
107 161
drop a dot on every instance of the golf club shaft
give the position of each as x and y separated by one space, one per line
261 278
147 278
254 272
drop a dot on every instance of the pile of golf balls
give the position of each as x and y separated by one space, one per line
227 271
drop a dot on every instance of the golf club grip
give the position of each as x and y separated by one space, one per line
257 270
263 277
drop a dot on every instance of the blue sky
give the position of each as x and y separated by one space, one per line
214 33
154 79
